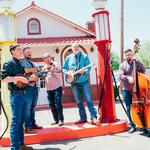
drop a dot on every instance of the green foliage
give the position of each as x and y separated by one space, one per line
144 54
115 61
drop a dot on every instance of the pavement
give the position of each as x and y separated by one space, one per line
122 141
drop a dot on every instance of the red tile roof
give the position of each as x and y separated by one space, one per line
54 40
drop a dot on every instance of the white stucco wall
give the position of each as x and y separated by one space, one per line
38 52
50 26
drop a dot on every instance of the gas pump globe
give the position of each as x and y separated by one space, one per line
6 3
101 18
7 18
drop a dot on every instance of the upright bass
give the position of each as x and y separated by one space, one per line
140 107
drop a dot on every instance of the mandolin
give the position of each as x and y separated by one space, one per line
33 76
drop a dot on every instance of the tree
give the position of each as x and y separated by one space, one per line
115 61
144 54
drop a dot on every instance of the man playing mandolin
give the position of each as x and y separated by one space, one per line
17 96
79 82
126 69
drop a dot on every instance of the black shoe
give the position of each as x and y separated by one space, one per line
54 123
35 126
145 130
24 147
60 123
132 130
80 121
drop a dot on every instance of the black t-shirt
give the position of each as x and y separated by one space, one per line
13 68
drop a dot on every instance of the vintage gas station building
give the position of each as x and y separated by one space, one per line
44 32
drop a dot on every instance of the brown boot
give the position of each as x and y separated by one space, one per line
24 147
35 126
29 131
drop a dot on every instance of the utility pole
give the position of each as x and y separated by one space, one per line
121 31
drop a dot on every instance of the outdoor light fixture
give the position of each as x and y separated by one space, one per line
101 18
57 50
92 49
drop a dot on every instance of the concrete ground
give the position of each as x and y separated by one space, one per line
122 141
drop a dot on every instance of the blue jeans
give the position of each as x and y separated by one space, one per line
17 102
128 101
77 89
55 103
31 101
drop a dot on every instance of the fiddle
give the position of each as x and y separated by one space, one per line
51 67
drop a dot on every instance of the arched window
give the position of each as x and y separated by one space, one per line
34 26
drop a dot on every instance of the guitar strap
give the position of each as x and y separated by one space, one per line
78 64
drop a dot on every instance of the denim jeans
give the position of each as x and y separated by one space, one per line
128 101
31 97
17 102
85 89
55 103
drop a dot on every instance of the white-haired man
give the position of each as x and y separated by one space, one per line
77 60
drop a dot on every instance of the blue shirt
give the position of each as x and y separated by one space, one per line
76 62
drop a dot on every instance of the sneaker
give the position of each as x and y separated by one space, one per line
24 147
80 121
54 123
35 126
29 131
60 123
132 130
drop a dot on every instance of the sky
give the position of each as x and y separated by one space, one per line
136 16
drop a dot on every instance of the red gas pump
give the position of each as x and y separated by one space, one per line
103 41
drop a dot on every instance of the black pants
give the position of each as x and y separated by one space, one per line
55 103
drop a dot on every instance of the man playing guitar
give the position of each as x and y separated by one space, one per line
77 62
32 92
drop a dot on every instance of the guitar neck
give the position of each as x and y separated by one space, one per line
82 69
45 72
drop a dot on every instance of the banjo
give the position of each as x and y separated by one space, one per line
71 76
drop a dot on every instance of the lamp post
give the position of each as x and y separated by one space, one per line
103 42
7 38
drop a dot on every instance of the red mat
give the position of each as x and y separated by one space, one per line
70 131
